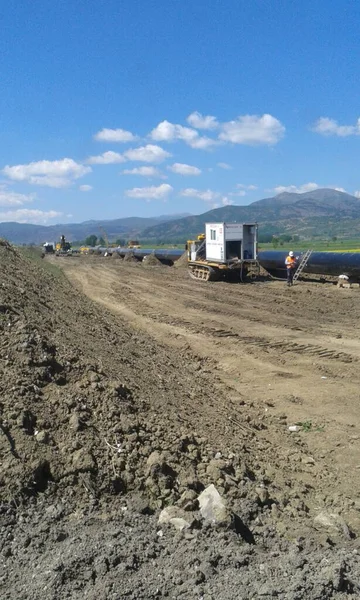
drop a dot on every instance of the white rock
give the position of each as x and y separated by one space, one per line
332 522
212 507
174 516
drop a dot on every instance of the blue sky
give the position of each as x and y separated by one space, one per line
112 108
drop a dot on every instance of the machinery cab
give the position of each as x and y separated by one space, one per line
225 251
225 243
196 248
63 247
229 242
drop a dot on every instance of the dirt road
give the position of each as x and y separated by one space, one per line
287 355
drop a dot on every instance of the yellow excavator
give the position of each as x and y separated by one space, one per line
63 248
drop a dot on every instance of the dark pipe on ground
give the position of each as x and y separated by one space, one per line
273 261
320 263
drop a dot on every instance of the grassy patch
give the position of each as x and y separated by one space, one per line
34 254
308 426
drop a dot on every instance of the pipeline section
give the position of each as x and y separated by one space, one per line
320 263
273 261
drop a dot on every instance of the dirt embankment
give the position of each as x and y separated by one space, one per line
103 424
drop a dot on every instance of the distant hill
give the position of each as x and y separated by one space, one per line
324 211
129 227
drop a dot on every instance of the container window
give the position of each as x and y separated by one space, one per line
213 234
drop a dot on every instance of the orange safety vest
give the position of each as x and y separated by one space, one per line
290 262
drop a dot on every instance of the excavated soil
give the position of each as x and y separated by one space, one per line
182 262
125 391
151 261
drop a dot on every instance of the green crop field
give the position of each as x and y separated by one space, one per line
345 245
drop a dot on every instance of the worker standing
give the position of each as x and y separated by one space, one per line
290 263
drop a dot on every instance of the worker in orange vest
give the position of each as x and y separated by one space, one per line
291 265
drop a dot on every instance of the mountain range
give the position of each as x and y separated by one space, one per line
322 212
128 227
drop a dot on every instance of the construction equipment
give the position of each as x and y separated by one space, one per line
63 248
134 244
304 261
226 251
49 248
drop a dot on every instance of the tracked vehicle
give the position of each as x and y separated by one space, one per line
63 248
226 251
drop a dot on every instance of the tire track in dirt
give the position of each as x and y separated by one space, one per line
286 352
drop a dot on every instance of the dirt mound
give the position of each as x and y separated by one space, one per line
151 261
182 262
68 414
116 255
101 428
130 258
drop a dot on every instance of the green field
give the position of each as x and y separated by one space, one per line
345 245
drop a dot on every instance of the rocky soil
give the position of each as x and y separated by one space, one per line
109 440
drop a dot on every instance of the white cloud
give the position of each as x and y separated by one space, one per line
115 135
226 202
238 193
9 198
200 121
85 188
225 166
252 130
160 192
203 143
107 158
145 172
216 199
242 189
183 169
243 186
305 187
206 195
24 215
149 153
328 127
56 173
300 189
170 132
357 194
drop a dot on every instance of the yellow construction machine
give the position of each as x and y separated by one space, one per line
63 248
133 244
226 251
